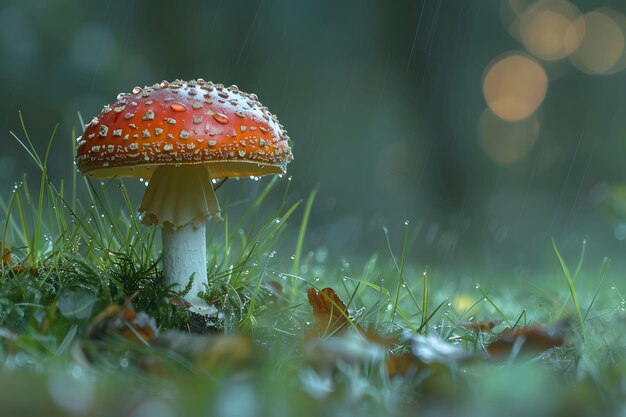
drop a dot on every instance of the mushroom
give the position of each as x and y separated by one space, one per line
181 135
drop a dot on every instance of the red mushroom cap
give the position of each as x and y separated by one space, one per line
184 122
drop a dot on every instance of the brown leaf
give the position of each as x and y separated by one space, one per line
402 364
212 352
7 261
532 339
374 337
480 326
331 314
5 254
124 321
179 302
275 287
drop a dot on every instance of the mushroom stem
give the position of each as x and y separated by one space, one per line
181 198
184 256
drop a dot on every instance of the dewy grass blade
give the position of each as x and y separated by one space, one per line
400 271
425 300
572 289
303 226
603 273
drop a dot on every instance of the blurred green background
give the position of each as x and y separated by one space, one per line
493 125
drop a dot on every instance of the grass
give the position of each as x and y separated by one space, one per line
78 250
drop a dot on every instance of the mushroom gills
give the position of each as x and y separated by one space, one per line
180 195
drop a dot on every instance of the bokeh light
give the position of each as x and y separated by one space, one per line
463 302
602 48
620 20
510 13
514 86
551 29
506 142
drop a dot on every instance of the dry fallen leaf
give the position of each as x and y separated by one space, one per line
275 287
124 321
179 302
331 314
374 337
7 261
210 352
5 254
530 339
402 364
480 326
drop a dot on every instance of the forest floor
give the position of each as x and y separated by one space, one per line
88 327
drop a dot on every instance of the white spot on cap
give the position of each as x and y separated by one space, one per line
149 115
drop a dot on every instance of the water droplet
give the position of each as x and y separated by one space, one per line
178 107
220 118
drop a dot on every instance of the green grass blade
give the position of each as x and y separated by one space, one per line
303 226
572 289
